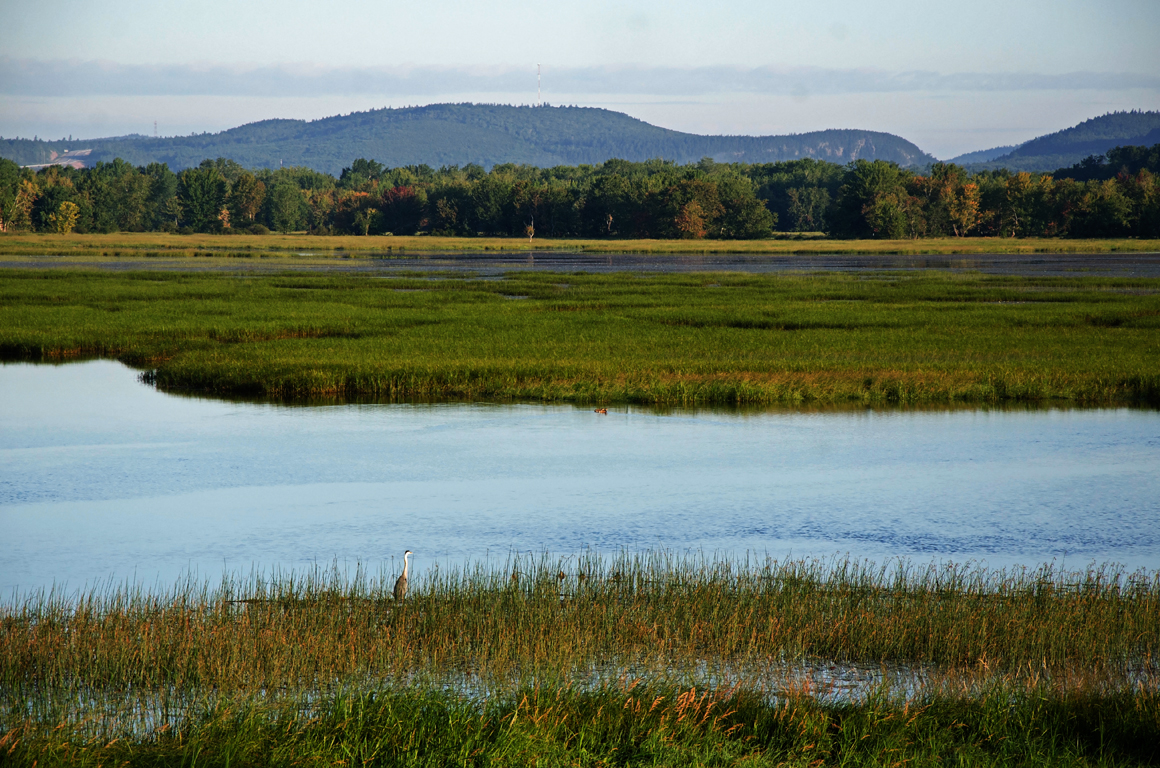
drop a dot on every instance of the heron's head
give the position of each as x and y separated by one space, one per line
408 552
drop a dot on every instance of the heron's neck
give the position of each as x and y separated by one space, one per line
406 565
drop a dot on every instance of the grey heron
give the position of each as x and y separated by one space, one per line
401 582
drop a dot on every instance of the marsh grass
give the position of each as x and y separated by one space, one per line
627 725
122 244
540 616
698 339
495 665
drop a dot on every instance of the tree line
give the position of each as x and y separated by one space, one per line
1113 196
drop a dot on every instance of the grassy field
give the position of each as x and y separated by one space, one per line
590 662
644 726
163 244
916 337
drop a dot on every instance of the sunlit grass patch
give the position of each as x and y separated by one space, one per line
153 244
675 339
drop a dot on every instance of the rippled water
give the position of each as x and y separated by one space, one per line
103 477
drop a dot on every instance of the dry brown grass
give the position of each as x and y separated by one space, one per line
164 244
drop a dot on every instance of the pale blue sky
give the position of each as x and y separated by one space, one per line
951 76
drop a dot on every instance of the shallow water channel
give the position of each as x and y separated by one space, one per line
497 263
102 477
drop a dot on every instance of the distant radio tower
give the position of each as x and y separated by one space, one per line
539 101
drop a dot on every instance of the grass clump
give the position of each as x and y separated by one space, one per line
727 339
628 725
544 617
628 660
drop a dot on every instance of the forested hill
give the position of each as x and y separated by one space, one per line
1071 145
458 134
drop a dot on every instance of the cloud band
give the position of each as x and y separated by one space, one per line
27 77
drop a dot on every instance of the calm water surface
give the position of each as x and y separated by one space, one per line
496 263
102 477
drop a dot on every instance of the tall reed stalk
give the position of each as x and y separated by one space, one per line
542 615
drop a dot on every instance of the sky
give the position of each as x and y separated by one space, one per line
950 76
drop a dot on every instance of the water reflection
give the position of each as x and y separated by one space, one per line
104 477
495 263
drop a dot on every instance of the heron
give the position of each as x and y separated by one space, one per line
401 582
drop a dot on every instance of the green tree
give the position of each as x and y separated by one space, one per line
1026 206
870 202
806 208
285 207
360 175
201 192
885 215
1143 190
54 186
744 216
162 210
119 195
1103 210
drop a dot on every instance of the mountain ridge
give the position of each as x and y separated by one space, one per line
458 134
1069 146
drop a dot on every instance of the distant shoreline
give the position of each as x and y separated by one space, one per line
160 243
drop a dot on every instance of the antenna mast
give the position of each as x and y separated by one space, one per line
539 101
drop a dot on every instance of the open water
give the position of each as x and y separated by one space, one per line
102 477
496 263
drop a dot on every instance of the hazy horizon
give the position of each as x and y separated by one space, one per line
948 80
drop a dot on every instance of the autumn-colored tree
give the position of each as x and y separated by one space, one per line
54 185
689 209
690 221
963 208
950 202
20 217
354 212
64 220
401 210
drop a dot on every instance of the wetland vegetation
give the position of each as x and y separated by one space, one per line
630 660
124 246
912 338
633 659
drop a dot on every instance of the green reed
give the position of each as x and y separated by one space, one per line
541 616
625 724
913 338
587 658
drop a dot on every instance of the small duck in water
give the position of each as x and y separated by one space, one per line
602 410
